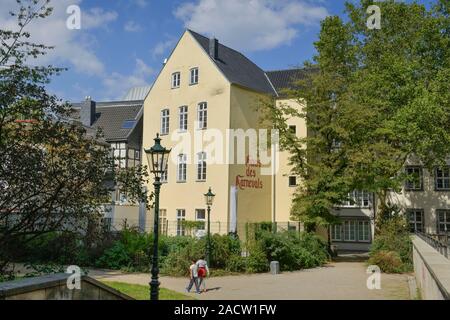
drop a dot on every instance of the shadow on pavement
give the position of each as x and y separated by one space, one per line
351 256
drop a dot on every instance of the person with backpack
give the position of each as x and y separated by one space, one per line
203 272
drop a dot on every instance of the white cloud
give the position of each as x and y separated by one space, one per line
141 3
73 48
97 17
162 47
117 84
132 26
250 25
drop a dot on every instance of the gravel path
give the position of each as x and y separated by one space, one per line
336 281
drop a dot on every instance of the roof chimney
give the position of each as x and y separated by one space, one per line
87 112
214 48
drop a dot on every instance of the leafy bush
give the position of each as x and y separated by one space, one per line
236 263
393 237
131 251
294 251
388 261
257 259
115 257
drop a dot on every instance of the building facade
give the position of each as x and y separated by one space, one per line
204 104
121 123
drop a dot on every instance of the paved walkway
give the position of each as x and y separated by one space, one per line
338 280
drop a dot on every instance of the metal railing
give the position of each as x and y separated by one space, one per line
174 228
440 242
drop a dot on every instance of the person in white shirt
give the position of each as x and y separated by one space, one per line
193 275
203 272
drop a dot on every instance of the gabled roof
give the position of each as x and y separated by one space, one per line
236 67
137 93
110 117
286 79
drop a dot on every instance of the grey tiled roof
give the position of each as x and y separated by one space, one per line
111 115
236 67
286 79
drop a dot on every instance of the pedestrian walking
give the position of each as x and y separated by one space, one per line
203 272
193 276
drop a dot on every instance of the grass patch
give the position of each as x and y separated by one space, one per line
140 292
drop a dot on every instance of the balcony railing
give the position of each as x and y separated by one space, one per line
440 242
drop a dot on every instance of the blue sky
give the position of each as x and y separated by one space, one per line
122 43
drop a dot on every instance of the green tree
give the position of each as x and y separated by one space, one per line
52 174
375 98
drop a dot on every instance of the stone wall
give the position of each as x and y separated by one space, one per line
54 287
432 271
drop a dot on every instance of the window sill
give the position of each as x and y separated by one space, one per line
163 134
200 180
193 84
175 87
181 181
441 190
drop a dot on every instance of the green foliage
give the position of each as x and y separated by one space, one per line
388 261
115 257
375 98
131 251
257 259
294 251
236 263
52 175
392 247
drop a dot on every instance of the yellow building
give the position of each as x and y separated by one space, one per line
203 104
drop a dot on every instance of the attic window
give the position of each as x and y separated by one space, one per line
128 124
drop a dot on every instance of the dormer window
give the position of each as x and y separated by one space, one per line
176 80
194 76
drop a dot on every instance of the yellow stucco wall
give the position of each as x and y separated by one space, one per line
283 193
212 88
253 203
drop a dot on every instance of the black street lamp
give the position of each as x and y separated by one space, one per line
209 198
157 157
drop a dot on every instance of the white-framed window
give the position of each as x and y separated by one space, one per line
194 76
120 154
200 215
183 117
292 181
163 222
415 178
350 230
165 120
181 168
357 199
363 231
442 178
443 221
336 232
165 174
181 216
201 166
202 115
415 219
176 80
